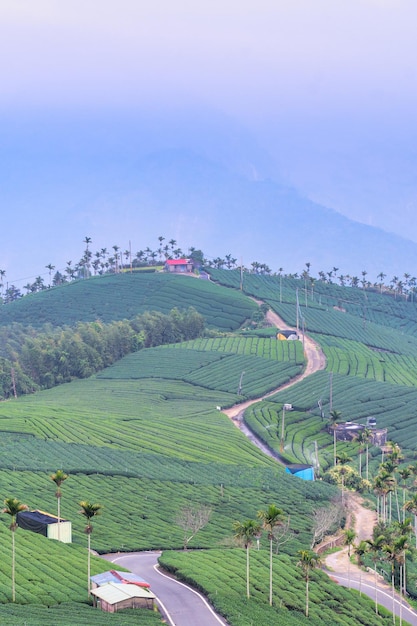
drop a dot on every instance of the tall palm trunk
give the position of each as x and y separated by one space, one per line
401 593
393 594
367 462
13 568
307 596
247 572
59 517
270 572
88 563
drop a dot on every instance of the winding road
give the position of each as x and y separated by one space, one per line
179 604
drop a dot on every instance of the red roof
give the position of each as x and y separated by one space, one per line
178 261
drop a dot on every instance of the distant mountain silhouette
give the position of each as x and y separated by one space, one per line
123 181
223 212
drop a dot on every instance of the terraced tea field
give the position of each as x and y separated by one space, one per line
144 437
225 586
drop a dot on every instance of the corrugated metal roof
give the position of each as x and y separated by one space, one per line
114 576
112 593
178 261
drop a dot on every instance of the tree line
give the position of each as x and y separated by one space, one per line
31 360
114 260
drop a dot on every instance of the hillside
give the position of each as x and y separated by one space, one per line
144 437
121 296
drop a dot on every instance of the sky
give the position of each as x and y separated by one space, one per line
326 91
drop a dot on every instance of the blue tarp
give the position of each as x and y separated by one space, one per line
306 472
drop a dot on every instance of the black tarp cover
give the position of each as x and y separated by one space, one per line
36 521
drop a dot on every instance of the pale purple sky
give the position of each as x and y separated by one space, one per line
327 87
248 58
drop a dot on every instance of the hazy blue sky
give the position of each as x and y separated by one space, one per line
326 88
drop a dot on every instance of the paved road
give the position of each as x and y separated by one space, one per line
384 594
181 605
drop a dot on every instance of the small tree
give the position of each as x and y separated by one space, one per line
12 507
324 519
89 510
192 519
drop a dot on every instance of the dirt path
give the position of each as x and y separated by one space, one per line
316 361
342 571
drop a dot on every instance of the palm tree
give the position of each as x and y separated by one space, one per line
411 507
342 460
245 533
395 552
386 482
308 561
360 550
271 518
333 421
116 257
50 267
405 474
12 507
160 239
375 547
87 241
350 537
367 436
381 277
58 479
401 547
89 510
363 438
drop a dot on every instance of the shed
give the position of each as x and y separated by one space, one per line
306 472
348 431
179 265
113 597
113 576
284 335
45 524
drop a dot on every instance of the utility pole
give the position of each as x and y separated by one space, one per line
297 307
331 392
282 429
239 389
317 458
